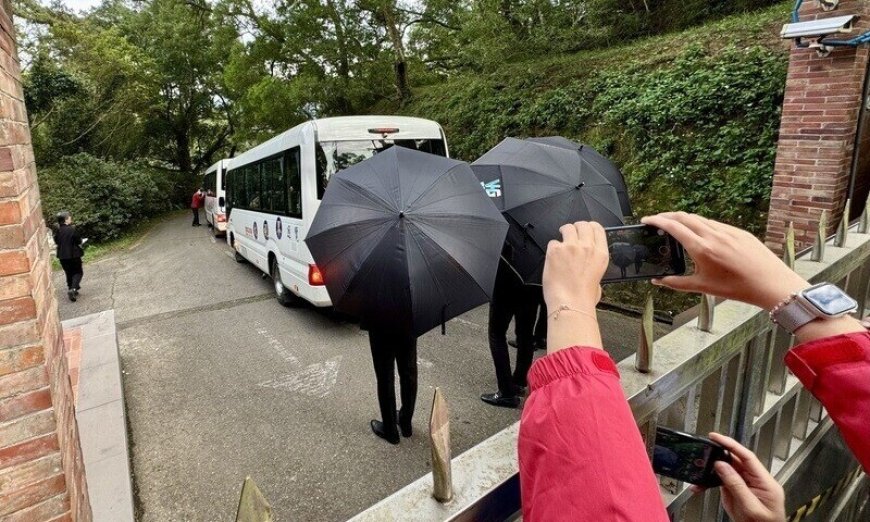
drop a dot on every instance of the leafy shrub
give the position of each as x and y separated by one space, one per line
104 197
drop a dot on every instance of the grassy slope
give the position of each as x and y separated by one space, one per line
547 95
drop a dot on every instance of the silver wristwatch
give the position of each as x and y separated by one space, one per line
821 301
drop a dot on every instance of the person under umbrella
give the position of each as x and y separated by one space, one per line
538 188
405 241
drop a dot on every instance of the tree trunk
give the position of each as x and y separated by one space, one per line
399 64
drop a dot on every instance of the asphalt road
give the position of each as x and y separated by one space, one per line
222 382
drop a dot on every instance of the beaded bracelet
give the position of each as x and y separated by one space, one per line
565 308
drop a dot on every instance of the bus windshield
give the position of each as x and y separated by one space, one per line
333 156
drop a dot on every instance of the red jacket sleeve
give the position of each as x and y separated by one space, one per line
837 371
581 456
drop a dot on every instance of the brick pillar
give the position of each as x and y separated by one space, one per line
817 135
41 472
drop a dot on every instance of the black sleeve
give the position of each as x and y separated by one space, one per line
77 239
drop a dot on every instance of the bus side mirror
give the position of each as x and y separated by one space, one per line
221 202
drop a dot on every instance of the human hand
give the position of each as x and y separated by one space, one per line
575 266
729 262
749 492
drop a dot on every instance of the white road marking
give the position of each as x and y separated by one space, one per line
464 321
316 381
277 345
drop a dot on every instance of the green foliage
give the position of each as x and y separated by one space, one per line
104 197
693 126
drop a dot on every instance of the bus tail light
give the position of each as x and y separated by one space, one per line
221 218
384 130
315 277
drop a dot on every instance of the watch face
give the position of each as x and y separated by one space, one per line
830 300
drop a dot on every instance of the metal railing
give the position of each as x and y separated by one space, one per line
722 372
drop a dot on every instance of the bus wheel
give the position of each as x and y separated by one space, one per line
284 296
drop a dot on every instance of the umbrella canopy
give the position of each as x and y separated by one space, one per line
407 238
590 158
539 188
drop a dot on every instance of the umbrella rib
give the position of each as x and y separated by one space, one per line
366 193
352 244
423 232
434 182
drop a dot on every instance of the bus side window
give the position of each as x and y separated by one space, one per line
252 186
279 185
294 182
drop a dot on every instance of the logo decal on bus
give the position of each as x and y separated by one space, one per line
296 232
265 229
279 229
255 230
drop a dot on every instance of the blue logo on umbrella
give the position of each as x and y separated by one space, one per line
492 188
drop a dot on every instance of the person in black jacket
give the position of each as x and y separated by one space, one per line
69 253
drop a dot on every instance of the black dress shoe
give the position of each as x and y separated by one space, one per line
497 399
407 429
72 295
380 430
541 344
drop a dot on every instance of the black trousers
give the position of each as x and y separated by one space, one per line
511 299
73 269
390 350
541 323
195 216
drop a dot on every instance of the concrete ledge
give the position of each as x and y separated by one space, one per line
101 418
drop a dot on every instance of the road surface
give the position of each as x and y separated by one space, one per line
222 382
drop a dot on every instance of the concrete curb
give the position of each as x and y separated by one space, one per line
102 419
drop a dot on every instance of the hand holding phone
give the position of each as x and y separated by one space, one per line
688 458
642 252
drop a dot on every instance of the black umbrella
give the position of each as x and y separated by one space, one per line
539 188
590 158
407 237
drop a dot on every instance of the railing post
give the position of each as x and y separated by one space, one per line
643 359
705 316
818 253
843 229
864 222
439 432
788 252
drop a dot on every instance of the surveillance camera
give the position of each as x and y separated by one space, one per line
819 28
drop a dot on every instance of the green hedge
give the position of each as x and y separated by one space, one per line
105 197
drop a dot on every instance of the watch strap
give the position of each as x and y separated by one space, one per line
792 314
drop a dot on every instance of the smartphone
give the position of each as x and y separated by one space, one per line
642 252
688 458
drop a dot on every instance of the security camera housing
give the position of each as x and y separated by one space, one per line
820 28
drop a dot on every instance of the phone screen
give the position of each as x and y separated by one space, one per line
686 457
642 252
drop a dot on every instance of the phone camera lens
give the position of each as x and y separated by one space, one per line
661 232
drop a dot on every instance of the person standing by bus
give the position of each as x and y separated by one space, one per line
511 299
196 204
69 253
392 348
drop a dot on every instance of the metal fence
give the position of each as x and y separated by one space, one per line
722 372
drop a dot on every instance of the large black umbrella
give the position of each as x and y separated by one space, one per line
539 188
590 158
407 238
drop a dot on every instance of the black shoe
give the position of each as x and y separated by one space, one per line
407 429
513 343
540 344
72 295
497 399
380 431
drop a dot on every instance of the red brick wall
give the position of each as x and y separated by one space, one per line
817 133
41 472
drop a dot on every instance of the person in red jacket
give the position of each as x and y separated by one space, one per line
196 204
581 456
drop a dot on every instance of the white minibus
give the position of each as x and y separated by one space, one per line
275 188
215 184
